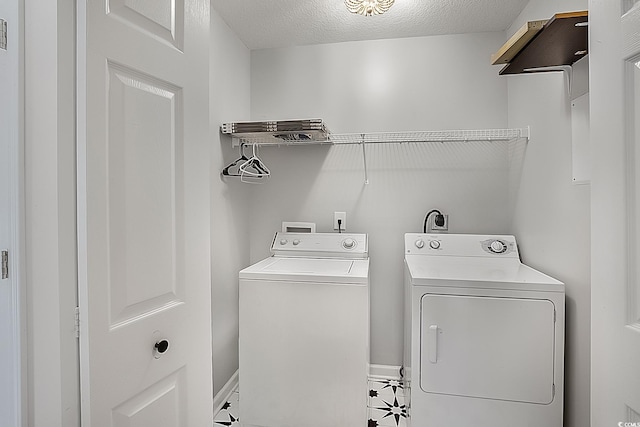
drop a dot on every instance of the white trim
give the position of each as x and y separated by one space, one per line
18 229
389 372
13 13
81 206
17 248
225 393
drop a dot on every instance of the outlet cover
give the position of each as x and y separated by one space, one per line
342 216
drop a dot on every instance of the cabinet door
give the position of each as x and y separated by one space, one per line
486 347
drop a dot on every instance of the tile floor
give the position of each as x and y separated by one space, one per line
385 404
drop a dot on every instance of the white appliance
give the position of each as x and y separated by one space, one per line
304 333
484 334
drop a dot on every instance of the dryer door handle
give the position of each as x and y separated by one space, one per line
432 351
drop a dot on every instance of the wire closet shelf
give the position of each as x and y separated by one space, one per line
363 139
484 135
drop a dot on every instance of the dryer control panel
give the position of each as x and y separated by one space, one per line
320 245
461 245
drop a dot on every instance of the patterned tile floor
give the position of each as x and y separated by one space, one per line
386 406
386 403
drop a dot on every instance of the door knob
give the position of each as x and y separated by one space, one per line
160 348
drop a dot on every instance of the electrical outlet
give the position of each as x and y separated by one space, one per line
444 227
342 216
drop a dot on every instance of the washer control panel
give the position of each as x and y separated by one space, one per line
320 245
472 245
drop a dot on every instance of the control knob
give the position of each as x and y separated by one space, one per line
283 242
349 243
296 242
419 243
434 244
497 246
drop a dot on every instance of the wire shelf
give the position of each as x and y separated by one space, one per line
364 139
394 137
429 136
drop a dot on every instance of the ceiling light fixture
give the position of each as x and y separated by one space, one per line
368 7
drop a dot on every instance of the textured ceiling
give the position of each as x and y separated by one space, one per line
280 23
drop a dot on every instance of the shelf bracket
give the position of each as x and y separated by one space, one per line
566 69
364 159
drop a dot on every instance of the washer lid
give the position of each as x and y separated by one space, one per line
328 270
478 272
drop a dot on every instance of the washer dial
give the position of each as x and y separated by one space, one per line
348 243
497 247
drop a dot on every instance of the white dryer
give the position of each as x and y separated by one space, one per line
484 334
304 333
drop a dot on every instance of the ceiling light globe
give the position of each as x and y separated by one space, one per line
368 7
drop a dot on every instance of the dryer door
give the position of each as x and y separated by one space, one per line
486 347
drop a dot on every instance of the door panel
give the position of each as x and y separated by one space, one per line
163 19
485 347
145 170
614 50
143 195
158 405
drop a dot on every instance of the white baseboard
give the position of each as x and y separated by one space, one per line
225 392
388 372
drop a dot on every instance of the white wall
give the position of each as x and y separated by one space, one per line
428 83
50 213
551 219
422 83
550 214
229 101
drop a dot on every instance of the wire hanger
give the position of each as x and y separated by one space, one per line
253 169
233 169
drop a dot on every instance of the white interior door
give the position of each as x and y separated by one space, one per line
615 135
143 196
10 366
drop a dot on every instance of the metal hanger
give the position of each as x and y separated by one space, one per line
228 171
254 168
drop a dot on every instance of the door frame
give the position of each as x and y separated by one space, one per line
14 120
49 251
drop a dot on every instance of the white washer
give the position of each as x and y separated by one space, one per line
484 334
304 333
